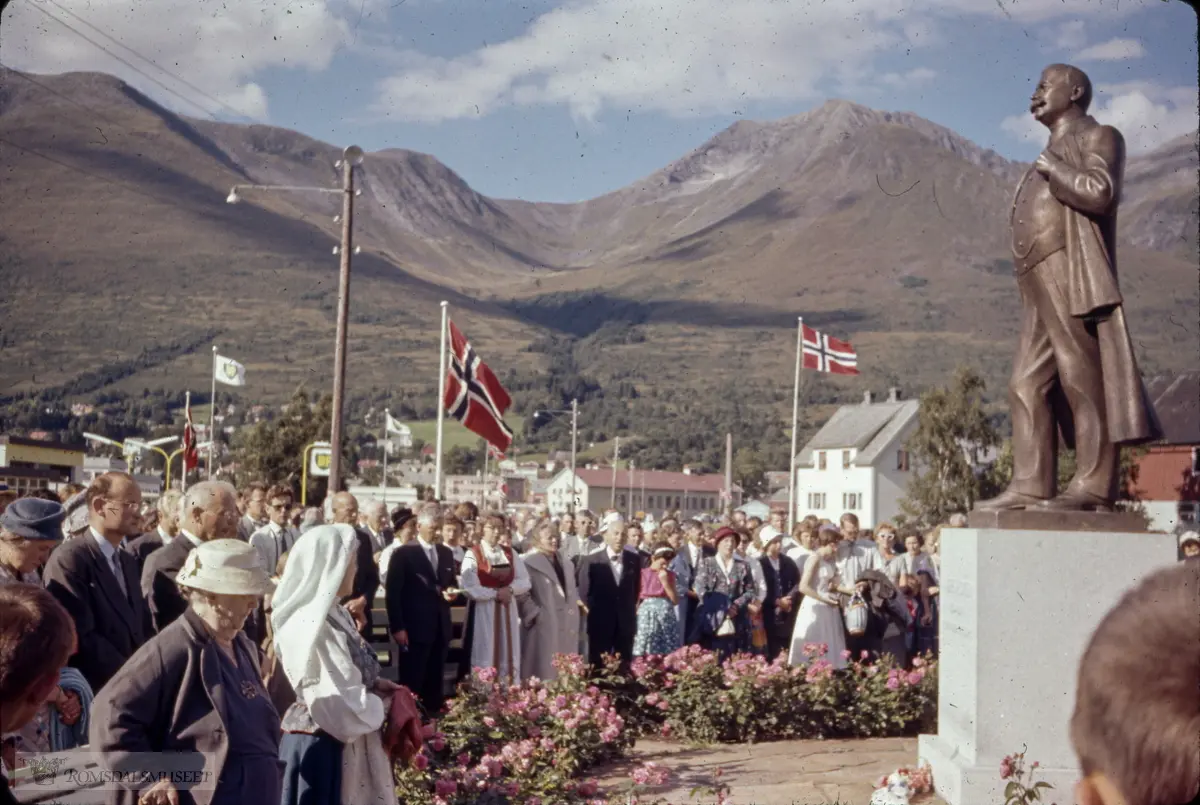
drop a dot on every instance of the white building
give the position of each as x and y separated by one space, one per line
633 491
392 496
857 462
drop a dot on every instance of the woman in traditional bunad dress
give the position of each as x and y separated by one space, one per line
819 621
492 577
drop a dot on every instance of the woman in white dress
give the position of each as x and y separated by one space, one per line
820 618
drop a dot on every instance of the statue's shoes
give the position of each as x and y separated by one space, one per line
1009 500
1076 502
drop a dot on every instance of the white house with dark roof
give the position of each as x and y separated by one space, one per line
633 491
858 462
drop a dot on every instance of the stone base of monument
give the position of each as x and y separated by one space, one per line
1017 610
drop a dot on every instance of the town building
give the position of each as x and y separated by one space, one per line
151 485
857 461
633 491
392 496
29 464
1166 476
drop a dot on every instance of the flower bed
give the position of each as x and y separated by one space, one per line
532 744
693 698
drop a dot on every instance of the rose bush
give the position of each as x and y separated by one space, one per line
531 744
689 696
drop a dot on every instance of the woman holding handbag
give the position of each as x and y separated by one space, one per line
729 575
819 621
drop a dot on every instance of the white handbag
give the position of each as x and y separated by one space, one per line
856 616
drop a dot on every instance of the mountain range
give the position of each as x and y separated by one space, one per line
122 261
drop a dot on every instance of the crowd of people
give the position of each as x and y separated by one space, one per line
235 628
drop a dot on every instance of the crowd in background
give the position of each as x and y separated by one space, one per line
238 625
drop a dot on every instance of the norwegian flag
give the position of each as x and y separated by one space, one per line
827 354
496 455
473 394
191 458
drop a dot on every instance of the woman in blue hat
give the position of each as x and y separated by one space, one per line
30 528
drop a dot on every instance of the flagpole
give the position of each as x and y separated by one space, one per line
187 408
386 442
441 406
791 514
487 453
212 414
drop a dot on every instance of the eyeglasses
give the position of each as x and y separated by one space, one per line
126 504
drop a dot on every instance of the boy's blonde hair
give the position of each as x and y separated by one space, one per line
1137 705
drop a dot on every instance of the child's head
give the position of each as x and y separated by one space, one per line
1137 706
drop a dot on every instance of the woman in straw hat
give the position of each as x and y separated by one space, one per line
332 747
186 719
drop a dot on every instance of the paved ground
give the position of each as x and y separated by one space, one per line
782 773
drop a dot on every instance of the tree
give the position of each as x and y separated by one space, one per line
750 472
273 452
953 433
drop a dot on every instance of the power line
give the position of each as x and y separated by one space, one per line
148 60
85 172
66 98
133 67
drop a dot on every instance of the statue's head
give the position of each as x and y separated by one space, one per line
1061 89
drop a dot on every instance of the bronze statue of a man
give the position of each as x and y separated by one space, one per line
1075 374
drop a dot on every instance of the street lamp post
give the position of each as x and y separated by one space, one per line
574 412
352 157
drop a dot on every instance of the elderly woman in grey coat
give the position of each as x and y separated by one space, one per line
550 619
187 716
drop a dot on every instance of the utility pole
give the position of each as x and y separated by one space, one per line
612 495
351 157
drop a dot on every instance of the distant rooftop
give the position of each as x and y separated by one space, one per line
867 427
658 480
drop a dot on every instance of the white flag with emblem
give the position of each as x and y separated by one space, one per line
395 426
229 371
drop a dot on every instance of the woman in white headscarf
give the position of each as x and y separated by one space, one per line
331 742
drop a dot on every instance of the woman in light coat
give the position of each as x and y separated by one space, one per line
551 623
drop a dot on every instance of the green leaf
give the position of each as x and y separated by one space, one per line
1043 785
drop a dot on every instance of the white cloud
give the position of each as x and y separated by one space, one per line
216 45
688 57
1146 114
1071 35
912 78
1112 50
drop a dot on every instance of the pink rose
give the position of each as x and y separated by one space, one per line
420 762
893 683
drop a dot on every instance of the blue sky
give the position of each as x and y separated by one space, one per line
561 101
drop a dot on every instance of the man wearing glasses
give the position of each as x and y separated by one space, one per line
98 583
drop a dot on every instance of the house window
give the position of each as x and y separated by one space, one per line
902 460
845 459
1187 512
816 501
851 501
620 501
820 459
1196 461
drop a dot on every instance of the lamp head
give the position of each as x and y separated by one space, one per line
354 155
233 197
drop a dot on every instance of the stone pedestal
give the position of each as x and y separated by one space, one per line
1017 610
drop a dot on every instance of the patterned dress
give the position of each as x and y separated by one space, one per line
657 622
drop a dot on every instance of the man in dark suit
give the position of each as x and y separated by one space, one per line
609 581
420 587
361 600
209 512
166 531
375 518
97 582
782 578
255 499
694 549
